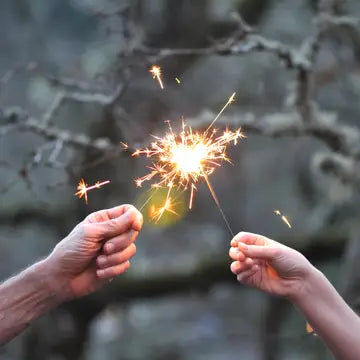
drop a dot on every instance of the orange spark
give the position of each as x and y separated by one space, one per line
310 330
157 213
83 188
156 72
182 160
283 218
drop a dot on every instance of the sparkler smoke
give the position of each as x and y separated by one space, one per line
156 72
283 218
182 160
83 188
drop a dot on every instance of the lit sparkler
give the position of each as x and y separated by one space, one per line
156 72
83 188
182 160
283 218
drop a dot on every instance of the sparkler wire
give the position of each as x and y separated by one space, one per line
208 183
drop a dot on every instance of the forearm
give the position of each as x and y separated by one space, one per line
330 316
25 297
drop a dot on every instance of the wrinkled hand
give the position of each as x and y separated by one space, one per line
268 265
98 249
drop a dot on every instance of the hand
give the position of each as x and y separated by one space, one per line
98 249
268 265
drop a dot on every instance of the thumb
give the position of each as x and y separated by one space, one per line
115 227
260 252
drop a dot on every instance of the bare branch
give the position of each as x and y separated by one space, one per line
17 116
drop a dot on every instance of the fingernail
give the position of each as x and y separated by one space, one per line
110 247
102 260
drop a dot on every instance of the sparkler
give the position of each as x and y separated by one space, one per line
156 72
182 160
283 218
83 188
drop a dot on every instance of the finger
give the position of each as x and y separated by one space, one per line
117 258
113 271
240 266
249 238
113 227
260 252
108 214
236 254
120 242
244 276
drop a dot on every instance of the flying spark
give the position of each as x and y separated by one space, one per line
177 80
156 72
125 146
83 188
182 160
283 218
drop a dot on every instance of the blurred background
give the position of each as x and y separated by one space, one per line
75 82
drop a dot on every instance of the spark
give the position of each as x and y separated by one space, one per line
310 330
283 218
230 101
181 160
83 188
177 80
157 213
124 145
156 72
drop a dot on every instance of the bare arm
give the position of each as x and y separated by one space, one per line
97 250
330 316
26 297
280 270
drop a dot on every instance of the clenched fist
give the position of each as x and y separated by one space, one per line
98 249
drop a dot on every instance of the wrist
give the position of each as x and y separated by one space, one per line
307 286
54 281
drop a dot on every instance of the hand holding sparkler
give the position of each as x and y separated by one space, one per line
268 265
106 236
280 270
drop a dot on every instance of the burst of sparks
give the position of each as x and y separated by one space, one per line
156 72
283 218
182 160
157 213
83 188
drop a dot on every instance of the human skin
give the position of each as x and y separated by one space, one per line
97 250
280 270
